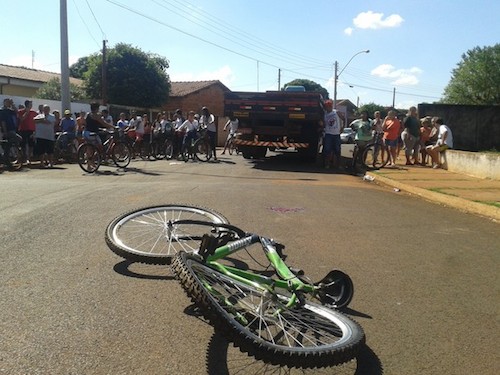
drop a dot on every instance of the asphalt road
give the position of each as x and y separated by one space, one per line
426 276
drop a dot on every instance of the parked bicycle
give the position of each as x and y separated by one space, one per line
66 147
90 157
10 155
374 155
198 149
283 318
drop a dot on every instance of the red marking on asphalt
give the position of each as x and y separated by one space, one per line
286 210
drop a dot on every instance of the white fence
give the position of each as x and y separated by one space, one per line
54 104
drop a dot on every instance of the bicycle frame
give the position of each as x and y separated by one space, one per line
288 280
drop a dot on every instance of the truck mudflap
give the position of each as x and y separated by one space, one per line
241 142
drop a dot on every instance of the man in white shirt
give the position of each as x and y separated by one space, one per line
331 138
233 124
208 120
190 126
444 142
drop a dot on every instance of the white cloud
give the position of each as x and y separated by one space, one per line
374 21
371 20
223 74
398 76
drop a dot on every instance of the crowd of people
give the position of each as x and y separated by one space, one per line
35 131
421 139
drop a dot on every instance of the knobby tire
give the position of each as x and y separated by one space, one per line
260 324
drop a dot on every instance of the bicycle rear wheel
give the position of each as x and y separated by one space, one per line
202 150
89 157
158 149
260 324
375 156
151 235
121 154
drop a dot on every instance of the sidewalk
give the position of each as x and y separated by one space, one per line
463 192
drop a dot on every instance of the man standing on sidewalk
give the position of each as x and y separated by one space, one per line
411 136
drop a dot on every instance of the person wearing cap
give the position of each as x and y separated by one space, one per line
331 140
68 127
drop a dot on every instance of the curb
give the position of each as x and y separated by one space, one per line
460 204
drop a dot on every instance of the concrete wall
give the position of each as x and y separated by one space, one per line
477 164
474 127
54 104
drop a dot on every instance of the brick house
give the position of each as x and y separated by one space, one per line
192 96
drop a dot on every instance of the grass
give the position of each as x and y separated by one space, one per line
494 204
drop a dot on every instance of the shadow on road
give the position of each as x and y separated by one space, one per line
143 271
224 359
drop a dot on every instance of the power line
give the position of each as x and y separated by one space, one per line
96 21
85 23
244 37
246 56
187 33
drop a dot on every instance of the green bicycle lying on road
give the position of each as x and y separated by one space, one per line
272 318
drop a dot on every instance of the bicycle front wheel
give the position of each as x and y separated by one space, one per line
15 158
151 235
261 324
89 158
121 154
375 156
203 151
231 147
169 149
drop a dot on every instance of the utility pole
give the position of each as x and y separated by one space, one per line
65 94
258 78
279 79
336 78
104 83
393 97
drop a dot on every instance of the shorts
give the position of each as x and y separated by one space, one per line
44 146
440 148
93 139
391 142
27 138
331 143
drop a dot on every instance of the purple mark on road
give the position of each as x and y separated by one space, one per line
286 210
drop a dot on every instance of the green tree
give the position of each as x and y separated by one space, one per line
133 77
79 68
51 90
309 86
371 108
476 79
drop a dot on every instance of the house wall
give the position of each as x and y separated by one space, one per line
13 90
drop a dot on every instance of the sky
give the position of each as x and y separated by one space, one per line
259 45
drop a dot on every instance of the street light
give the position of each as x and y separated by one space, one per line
338 74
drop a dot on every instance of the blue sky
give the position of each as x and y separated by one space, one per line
414 45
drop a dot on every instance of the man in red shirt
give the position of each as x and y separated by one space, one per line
26 129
